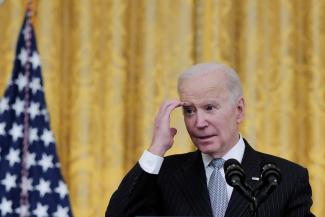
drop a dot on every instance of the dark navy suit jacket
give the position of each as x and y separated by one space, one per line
180 189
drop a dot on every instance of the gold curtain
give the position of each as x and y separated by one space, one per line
108 64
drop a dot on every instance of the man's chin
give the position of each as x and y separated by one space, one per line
205 148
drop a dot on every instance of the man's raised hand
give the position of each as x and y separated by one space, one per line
163 134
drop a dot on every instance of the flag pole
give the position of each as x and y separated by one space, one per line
30 176
31 7
24 203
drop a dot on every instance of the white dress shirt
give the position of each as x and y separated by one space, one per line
236 152
152 163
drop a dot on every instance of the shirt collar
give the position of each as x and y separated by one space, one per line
236 152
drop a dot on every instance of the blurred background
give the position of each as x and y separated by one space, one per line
108 64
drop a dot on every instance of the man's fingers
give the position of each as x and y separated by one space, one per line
166 108
162 109
163 135
170 107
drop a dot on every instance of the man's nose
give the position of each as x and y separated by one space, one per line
201 121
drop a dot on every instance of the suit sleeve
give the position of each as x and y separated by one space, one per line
300 202
135 196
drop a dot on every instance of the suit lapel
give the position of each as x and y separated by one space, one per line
192 182
238 205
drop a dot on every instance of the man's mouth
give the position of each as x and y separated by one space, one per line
204 137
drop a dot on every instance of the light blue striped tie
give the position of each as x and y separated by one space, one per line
218 189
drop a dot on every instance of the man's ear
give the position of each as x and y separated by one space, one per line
240 108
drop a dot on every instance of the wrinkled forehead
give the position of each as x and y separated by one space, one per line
203 85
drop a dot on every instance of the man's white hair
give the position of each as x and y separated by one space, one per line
233 83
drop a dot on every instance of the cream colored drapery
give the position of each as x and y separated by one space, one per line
108 64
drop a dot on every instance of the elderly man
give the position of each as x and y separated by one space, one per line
193 184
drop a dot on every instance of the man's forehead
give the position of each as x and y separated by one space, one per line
204 93
202 87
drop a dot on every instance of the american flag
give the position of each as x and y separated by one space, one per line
31 183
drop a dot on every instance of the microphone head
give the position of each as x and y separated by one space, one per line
234 173
271 174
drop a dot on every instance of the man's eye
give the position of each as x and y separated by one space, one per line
188 110
209 107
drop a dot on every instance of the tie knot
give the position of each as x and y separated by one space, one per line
217 163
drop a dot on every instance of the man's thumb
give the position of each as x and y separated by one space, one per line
173 131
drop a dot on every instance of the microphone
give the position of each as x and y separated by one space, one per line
270 177
236 178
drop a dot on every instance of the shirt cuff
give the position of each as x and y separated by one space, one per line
150 163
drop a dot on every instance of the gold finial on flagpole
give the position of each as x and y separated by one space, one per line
30 6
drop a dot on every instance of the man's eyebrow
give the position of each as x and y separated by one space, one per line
212 102
187 104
